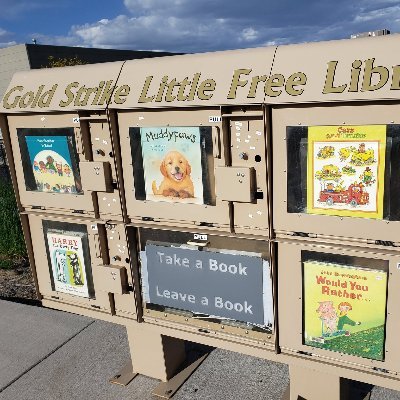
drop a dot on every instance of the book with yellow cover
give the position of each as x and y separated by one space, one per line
345 308
346 170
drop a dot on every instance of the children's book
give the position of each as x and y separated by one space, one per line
67 263
345 308
51 163
346 170
172 163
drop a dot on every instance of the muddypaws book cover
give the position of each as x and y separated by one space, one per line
344 308
346 170
172 163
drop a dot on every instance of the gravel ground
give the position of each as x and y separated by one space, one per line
17 283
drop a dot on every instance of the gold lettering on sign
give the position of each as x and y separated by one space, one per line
236 82
172 89
275 81
330 78
380 73
375 77
395 78
363 76
70 95
206 86
143 96
121 94
15 99
29 99
273 85
355 75
296 79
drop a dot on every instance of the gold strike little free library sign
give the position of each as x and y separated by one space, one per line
364 76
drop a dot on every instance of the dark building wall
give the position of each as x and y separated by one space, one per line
39 54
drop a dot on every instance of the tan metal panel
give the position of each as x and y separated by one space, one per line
113 279
242 180
101 300
233 331
326 225
290 300
341 70
113 292
88 87
104 150
203 79
37 199
170 212
119 255
96 175
248 137
94 148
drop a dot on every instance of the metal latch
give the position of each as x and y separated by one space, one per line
235 184
305 353
112 279
198 243
96 176
387 243
304 234
377 369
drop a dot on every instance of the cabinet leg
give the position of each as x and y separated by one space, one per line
310 384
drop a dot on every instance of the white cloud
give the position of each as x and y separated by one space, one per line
249 35
6 38
379 14
207 25
160 32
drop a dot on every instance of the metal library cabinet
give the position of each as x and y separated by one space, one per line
230 199
82 263
231 142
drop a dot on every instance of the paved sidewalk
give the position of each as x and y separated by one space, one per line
51 355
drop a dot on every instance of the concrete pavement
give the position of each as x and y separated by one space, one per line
52 355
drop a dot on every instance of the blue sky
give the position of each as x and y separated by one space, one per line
190 25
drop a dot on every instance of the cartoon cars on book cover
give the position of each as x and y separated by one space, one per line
344 308
346 170
172 163
67 263
51 163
